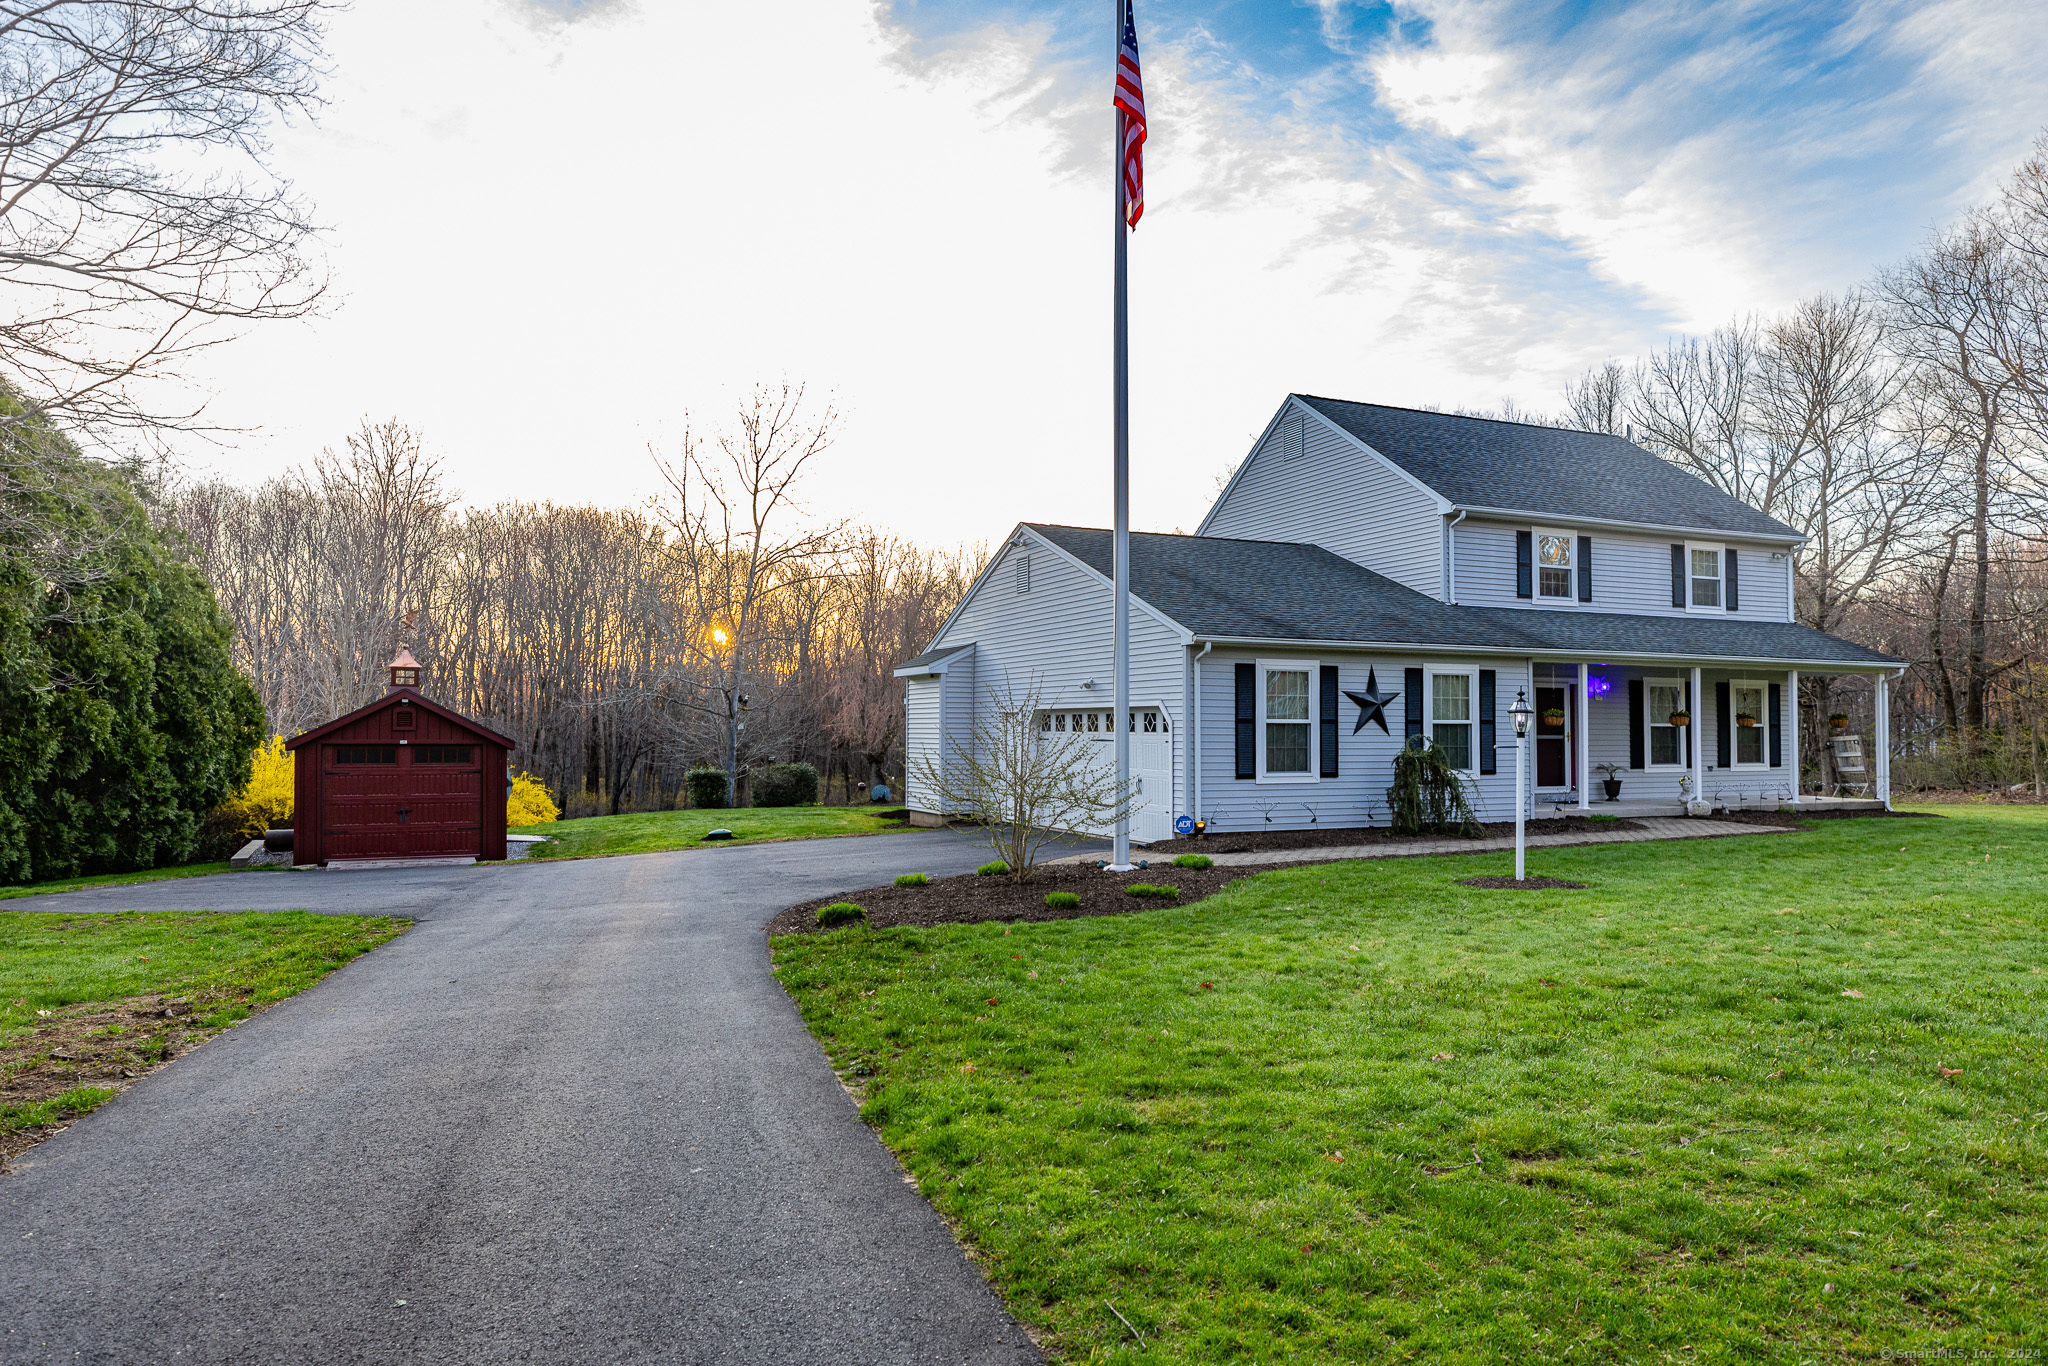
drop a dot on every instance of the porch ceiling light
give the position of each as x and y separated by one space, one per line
1521 712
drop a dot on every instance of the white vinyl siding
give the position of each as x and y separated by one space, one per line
1365 759
1058 637
1607 732
920 740
1340 497
1631 573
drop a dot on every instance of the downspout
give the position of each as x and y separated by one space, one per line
1451 555
1195 732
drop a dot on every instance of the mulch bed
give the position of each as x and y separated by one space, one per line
1793 820
1321 837
71 1049
1527 884
971 900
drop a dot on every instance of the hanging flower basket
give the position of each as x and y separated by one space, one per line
1681 718
1745 720
1838 720
1554 715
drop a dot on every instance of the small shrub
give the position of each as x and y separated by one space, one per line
1151 889
996 869
912 880
1062 901
840 913
1429 795
707 788
1194 861
783 785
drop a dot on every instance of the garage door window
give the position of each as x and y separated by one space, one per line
443 754
366 754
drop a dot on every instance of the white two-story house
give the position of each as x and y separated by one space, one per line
1372 575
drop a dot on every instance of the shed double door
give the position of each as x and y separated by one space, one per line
402 801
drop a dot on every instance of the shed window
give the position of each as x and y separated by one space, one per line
366 754
1555 560
443 754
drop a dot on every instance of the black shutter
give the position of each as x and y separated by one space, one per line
1723 725
1411 727
1525 564
1777 736
1247 721
1635 723
1585 569
1678 576
1734 594
1486 729
1329 721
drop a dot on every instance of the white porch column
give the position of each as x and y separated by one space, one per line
1884 740
1698 729
1581 743
1792 711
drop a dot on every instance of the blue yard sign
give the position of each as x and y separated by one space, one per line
1183 825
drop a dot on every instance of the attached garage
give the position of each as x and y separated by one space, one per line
403 778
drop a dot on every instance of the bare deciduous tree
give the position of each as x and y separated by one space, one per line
1021 783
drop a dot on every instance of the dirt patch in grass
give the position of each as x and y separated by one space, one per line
1322 837
969 899
103 1046
1527 884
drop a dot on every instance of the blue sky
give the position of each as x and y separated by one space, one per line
562 225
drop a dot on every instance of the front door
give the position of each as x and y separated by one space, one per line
1553 737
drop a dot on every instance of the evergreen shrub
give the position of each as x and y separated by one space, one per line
1062 901
783 785
840 913
1194 861
707 788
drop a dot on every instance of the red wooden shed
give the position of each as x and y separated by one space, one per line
403 778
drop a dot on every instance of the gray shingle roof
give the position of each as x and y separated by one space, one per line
1478 462
932 657
1276 590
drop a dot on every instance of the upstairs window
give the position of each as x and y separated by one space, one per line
1555 551
1706 575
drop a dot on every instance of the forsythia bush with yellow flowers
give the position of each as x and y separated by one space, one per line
529 803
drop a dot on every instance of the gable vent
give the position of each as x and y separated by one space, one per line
1293 437
1023 572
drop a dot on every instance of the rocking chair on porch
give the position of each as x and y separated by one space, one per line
1851 778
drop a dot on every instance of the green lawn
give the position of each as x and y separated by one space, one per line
73 884
1704 1100
55 968
649 832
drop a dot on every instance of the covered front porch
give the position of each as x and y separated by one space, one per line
1660 739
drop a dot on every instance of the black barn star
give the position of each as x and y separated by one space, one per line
1372 703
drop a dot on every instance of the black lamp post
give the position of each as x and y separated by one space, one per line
1521 712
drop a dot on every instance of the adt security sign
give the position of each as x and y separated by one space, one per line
1183 825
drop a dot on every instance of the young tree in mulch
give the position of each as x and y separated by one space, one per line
1428 795
1021 783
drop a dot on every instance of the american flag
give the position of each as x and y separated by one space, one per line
1130 98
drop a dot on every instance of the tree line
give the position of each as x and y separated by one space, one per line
620 647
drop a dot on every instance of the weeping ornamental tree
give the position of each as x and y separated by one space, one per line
122 718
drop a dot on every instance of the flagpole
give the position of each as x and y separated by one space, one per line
1120 688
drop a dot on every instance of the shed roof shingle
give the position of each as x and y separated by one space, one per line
1480 462
1279 590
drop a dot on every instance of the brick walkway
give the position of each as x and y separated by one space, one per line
1654 828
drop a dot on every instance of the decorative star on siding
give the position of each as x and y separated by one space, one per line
1372 703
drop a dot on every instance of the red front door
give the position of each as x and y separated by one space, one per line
402 801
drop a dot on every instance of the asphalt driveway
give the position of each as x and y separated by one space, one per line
568 1117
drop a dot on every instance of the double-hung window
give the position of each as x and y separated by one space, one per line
1704 565
1556 553
1286 732
1746 699
1662 697
1451 700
